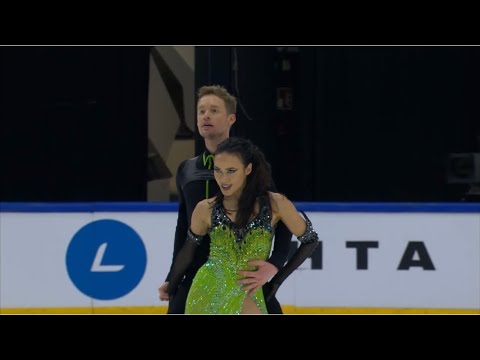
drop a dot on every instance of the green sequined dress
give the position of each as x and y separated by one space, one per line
214 289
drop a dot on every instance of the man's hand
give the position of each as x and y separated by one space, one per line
163 291
253 280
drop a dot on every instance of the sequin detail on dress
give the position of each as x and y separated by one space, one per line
214 289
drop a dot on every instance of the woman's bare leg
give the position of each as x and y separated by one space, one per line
249 306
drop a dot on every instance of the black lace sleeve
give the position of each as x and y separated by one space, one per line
309 242
183 259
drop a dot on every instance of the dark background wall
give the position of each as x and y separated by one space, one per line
367 124
74 123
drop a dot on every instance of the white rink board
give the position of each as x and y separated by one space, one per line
33 270
452 242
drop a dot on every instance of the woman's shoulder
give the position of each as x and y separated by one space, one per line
206 204
277 197
277 201
203 212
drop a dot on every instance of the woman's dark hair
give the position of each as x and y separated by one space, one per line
258 181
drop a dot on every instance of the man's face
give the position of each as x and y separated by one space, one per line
212 119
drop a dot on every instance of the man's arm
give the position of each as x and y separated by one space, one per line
281 245
182 219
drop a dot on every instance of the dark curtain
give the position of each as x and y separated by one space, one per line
74 123
386 119
366 123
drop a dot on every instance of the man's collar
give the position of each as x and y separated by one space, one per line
205 160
